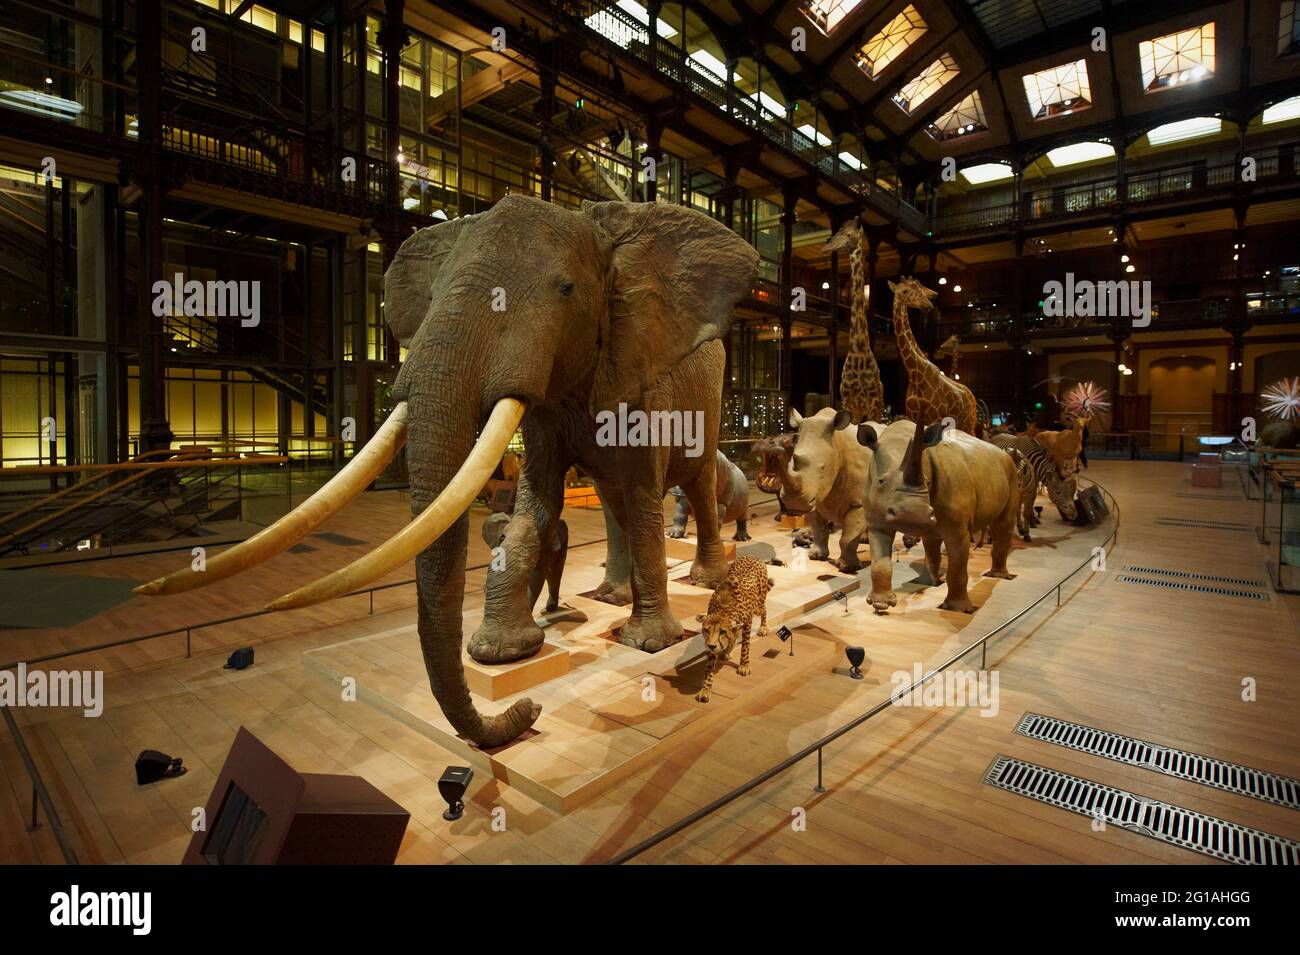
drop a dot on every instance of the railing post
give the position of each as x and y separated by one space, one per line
187 643
372 602
819 788
33 825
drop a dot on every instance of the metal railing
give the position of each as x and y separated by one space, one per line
1178 182
819 745
40 793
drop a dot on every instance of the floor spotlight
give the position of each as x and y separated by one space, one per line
455 780
856 655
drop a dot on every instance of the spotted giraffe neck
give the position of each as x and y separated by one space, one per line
909 351
859 328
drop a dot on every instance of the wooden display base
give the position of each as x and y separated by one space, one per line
608 710
495 681
599 725
793 521
683 548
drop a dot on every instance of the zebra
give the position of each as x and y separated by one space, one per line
1061 490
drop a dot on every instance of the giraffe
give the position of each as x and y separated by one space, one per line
950 349
861 393
931 395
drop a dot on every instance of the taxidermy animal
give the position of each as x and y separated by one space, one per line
550 558
1279 434
941 493
535 317
730 617
773 455
732 497
1063 446
862 394
931 395
823 479
1062 490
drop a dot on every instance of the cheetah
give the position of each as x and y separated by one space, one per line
731 615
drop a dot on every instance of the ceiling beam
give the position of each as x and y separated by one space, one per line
761 31
1078 32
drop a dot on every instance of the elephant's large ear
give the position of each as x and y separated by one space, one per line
675 278
409 281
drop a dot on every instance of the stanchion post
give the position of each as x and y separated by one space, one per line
819 788
33 825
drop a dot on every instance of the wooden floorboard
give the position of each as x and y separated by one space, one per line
1163 665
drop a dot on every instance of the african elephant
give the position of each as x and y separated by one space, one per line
822 477
599 331
550 560
732 497
940 485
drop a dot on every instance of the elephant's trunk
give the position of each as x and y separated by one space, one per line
441 438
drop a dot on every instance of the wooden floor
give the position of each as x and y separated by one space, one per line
1164 665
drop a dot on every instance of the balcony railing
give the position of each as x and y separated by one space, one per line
1192 179
626 32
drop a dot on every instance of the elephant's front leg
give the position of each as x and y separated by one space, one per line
710 565
855 525
882 570
616 588
652 625
508 631
680 517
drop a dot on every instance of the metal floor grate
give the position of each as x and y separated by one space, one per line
1195 588
1205 525
1161 821
1188 575
1206 770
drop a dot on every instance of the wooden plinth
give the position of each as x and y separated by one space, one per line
683 548
614 709
495 681
793 521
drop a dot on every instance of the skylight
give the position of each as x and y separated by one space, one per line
710 63
921 87
964 119
986 172
850 160
770 104
1281 112
1076 153
826 15
1058 91
1288 28
1193 128
815 135
1177 59
617 29
891 42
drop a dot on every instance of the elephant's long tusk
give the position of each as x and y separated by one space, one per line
355 476
431 522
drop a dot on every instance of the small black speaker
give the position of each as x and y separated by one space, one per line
151 766
1092 506
241 659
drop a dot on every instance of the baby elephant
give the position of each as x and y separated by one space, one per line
732 497
550 559
731 616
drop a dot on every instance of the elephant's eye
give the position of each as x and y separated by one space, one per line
566 289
